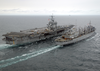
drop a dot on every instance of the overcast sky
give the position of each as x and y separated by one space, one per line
47 7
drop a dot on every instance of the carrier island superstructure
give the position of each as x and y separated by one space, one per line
36 34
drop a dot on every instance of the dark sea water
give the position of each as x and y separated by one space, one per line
45 55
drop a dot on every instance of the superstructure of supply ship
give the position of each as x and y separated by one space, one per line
74 35
36 34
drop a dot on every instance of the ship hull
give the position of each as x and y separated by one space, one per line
34 39
76 39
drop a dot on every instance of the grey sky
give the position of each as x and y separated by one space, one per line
47 7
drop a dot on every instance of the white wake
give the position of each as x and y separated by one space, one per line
10 61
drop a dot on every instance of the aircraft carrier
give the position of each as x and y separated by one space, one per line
36 34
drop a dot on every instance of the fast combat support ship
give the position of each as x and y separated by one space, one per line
74 35
36 34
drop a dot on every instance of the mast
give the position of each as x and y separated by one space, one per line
52 19
90 22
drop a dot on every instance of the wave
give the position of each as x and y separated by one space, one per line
93 37
3 46
14 60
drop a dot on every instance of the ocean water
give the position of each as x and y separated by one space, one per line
45 55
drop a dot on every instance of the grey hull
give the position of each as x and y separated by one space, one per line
34 39
76 39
